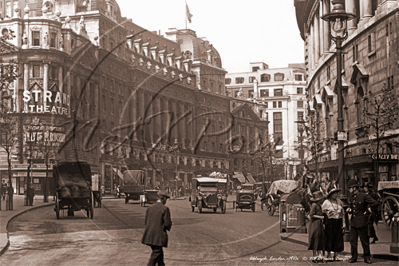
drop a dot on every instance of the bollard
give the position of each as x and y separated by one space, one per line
394 247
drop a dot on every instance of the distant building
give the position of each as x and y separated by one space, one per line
129 106
276 95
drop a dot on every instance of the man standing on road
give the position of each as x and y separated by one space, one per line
157 221
358 208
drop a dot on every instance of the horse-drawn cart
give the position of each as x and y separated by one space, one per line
389 192
277 188
73 188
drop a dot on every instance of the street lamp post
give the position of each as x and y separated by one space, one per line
338 19
300 130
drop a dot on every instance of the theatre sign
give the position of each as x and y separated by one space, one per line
41 102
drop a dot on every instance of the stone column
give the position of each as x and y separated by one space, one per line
351 8
317 37
256 91
310 47
61 84
326 25
321 25
15 106
361 7
368 9
45 82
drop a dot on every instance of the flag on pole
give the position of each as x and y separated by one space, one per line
188 14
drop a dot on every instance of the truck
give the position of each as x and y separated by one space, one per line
133 184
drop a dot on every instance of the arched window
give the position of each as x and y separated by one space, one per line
359 106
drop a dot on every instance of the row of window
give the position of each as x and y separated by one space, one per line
265 93
263 78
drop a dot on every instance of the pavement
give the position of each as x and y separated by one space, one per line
380 250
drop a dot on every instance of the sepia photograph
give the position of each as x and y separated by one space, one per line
198 132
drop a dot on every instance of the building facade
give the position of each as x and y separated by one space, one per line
369 64
95 87
276 95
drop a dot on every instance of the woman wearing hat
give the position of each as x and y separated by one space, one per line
335 223
316 230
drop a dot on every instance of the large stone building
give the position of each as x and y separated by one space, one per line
369 62
276 95
94 86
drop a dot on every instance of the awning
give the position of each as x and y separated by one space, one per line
119 173
250 179
239 176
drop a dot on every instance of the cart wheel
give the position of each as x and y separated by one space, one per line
192 208
199 207
126 200
270 210
253 207
215 209
224 205
390 206
57 206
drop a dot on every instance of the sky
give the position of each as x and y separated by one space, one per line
242 31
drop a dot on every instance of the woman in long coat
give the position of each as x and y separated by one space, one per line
316 230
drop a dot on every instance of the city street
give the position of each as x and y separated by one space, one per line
113 237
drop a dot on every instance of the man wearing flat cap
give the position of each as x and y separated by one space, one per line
157 221
358 208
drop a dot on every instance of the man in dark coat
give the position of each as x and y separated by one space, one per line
157 221
31 194
373 212
358 208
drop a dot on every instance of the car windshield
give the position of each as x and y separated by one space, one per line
208 189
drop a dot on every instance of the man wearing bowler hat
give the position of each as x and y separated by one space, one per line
358 208
157 221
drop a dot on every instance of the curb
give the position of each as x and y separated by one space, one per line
373 256
3 249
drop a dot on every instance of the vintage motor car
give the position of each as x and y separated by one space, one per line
245 198
209 193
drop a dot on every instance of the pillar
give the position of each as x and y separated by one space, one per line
45 82
321 26
256 92
26 84
351 8
368 9
316 37
326 25
311 47
68 89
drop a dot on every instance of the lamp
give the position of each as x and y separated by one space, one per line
338 33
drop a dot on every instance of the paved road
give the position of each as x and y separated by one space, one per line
113 237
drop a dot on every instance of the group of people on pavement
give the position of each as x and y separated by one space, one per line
327 222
